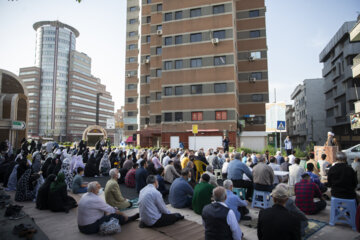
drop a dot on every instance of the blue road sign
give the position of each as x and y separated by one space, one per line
280 125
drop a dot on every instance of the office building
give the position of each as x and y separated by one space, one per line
340 87
63 94
196 63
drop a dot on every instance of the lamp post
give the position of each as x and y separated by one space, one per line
97 107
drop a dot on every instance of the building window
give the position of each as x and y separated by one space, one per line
196 89
158 119
131 59
220 60
178 116
254 13
158 51
219 34
195 37
158 96
147 120
178 64
159 27
148 1
257 98
147 100
148 19
168 91
256 75
218 9
178 39
168 117
196 62
196 116
220 87
159 7
178 90
130 128
131 46
255 55
130 114
132 9
147 57
147 79
255 34
132 21
168 41
178 15
132 34
195 12
158 72
148 38
168 65
131 86
221 115
130 100
168 16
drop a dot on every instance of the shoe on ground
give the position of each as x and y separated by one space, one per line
246 218
179 216
142 224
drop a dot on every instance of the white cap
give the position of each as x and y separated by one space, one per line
331 134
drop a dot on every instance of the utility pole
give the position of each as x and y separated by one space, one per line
97 107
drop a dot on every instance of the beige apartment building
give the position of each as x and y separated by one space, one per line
196 63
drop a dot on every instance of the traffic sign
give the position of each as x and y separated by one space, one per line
195 129
280 125
18 125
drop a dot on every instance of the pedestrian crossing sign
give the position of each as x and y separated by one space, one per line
280 125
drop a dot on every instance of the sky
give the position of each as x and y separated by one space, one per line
297 31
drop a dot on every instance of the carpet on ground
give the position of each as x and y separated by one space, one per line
313 227
134 202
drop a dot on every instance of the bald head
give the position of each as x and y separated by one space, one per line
219 194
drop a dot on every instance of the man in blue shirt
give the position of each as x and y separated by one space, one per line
236 170
181 192
235 203
141 175
314 178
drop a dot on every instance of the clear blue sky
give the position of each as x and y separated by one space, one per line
297 31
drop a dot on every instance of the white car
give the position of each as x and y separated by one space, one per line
352 153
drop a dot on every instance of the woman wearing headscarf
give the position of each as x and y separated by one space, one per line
42 199
25 188
23 166
36 162
51 168
105 165
78 163
65 169
58 199
90 168
45 166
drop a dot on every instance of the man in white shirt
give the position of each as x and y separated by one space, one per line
323 165
219 220
275 167
93 211
295 172
152 208
166 159
292 157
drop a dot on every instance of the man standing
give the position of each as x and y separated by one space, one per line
113 194
181 192
226 144
263 175
305 192
288 145
219 220
153 211
235 203
202 194
286 226
141 175
236 170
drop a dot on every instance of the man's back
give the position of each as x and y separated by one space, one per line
202 196
215 220
179 191
263 174
343 181
305 193
140 177
295 172
285 227
236 169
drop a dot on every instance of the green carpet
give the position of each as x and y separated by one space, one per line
313 227
134 204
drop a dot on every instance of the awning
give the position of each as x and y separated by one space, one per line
129 139
205 130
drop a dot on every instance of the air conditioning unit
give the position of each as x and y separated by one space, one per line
251 59
215 41
128 75
147 61
159 32
252 80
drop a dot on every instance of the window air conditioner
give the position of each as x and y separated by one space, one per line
215 41
159 32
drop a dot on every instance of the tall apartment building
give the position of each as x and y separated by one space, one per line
309 114
196 62
340 87
63 94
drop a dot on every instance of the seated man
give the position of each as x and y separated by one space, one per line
235 203
323 166
275 167
314 178
277 222
263 175
78 186
342 178
93 211
219 220
159 177
130 176
315 163
153 211
305 192
202 194
181 192
170 172
113 195
141 175
210 171
236 170
295 172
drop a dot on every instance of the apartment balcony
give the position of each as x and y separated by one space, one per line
356 66
355 33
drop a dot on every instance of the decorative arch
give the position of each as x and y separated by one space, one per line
93 128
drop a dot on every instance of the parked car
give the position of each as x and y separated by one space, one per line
352 153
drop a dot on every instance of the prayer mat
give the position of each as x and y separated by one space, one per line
313 227
134 202
183 230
